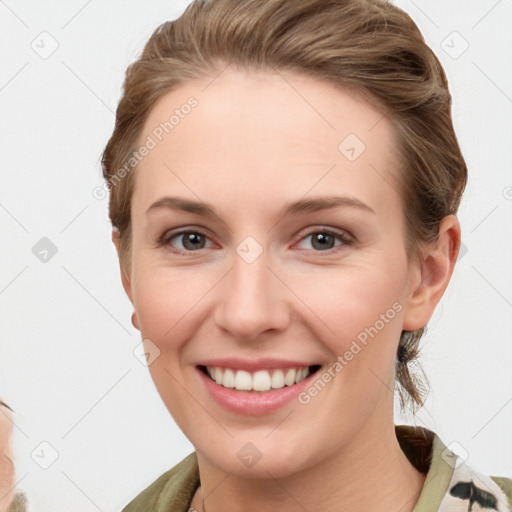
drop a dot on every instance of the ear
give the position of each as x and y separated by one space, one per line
125 278
431 276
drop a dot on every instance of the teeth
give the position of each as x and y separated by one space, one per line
228 379
289 377
277 379
261 380
300 376
243 380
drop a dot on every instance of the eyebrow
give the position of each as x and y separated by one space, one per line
303 206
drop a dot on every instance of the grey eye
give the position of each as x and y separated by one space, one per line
192 240
322 241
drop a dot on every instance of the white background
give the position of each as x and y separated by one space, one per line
66 341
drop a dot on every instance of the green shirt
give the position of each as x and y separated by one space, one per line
450 485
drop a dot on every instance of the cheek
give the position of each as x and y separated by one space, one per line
359 321
167 302
172 304
358 318
164 299
349 299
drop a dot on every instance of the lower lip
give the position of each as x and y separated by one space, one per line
254 403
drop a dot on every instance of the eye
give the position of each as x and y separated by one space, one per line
184 241
325 240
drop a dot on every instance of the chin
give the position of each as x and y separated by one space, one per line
263 456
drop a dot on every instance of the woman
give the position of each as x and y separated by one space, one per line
284 181
10 500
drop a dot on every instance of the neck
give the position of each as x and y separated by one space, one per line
371 474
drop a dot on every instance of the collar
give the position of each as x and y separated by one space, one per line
450 485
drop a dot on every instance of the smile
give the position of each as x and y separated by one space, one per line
254 387
261 380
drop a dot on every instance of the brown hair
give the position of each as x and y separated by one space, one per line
368 47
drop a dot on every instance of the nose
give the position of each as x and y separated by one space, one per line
253 300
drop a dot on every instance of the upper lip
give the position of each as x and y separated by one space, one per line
235 363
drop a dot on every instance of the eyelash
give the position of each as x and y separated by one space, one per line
340 236
166 238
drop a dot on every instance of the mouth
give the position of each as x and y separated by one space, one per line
259 381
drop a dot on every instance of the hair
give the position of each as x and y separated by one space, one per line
369 48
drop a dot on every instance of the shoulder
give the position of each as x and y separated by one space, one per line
505 484
451 484
171 491
469 487
472 487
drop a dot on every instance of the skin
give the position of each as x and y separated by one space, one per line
253 143
6 466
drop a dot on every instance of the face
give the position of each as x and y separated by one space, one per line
6 468
268 249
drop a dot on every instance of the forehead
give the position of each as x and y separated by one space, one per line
275 129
